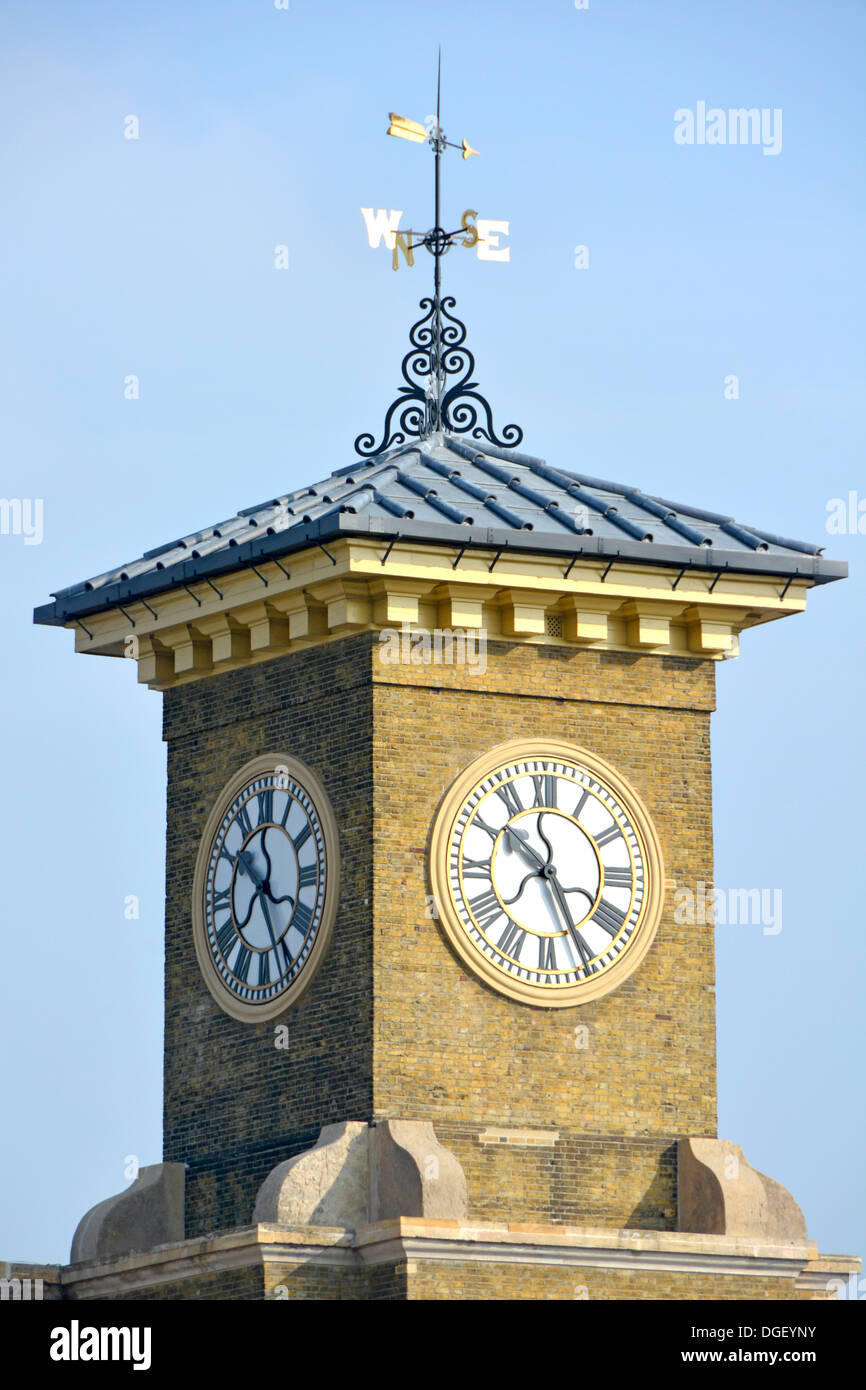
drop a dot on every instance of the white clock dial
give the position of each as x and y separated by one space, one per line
548 872
265 887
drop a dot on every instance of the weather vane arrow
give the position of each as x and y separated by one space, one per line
429 403
437 240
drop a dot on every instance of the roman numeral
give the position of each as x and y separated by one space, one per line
546 953
486 909
226 938
583 951
265 801
307 876
222 899
506 792
584 797
243 820
618 878
302 836
607 835
512 939
302 917
240 969
288 958
482 825
265 968
476 868
545 789
609 917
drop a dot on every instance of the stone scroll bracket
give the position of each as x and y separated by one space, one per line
720 1193
359 1173
148 1213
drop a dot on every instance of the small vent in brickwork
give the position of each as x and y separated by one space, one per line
554 624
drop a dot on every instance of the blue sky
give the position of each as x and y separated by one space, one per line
155 257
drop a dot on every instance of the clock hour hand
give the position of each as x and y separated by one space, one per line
542 868
245 861
521 844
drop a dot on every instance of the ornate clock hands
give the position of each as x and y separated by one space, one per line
551 868
525 848
268 923
244 860
546 869
559 899
549 874
262 882
547 843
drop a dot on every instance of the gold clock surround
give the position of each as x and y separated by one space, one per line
558 750
256 767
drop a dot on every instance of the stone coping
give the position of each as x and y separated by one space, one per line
420 1238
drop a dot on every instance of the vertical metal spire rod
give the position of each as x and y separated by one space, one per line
437 256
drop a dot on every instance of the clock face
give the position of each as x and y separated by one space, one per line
546 872
265 888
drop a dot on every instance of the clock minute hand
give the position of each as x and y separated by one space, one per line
267 917
560 900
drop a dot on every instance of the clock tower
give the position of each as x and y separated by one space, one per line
438 733
438 754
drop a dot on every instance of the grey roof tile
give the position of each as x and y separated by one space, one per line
442 489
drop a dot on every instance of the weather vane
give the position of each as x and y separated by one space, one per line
430 402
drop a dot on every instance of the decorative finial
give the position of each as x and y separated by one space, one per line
428 403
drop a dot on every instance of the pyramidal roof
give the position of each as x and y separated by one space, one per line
440 489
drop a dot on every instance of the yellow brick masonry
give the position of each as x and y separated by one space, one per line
448 1048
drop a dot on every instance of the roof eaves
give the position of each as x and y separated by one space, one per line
338 522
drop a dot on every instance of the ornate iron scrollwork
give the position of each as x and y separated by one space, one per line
428 402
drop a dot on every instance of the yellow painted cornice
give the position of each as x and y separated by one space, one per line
360 584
